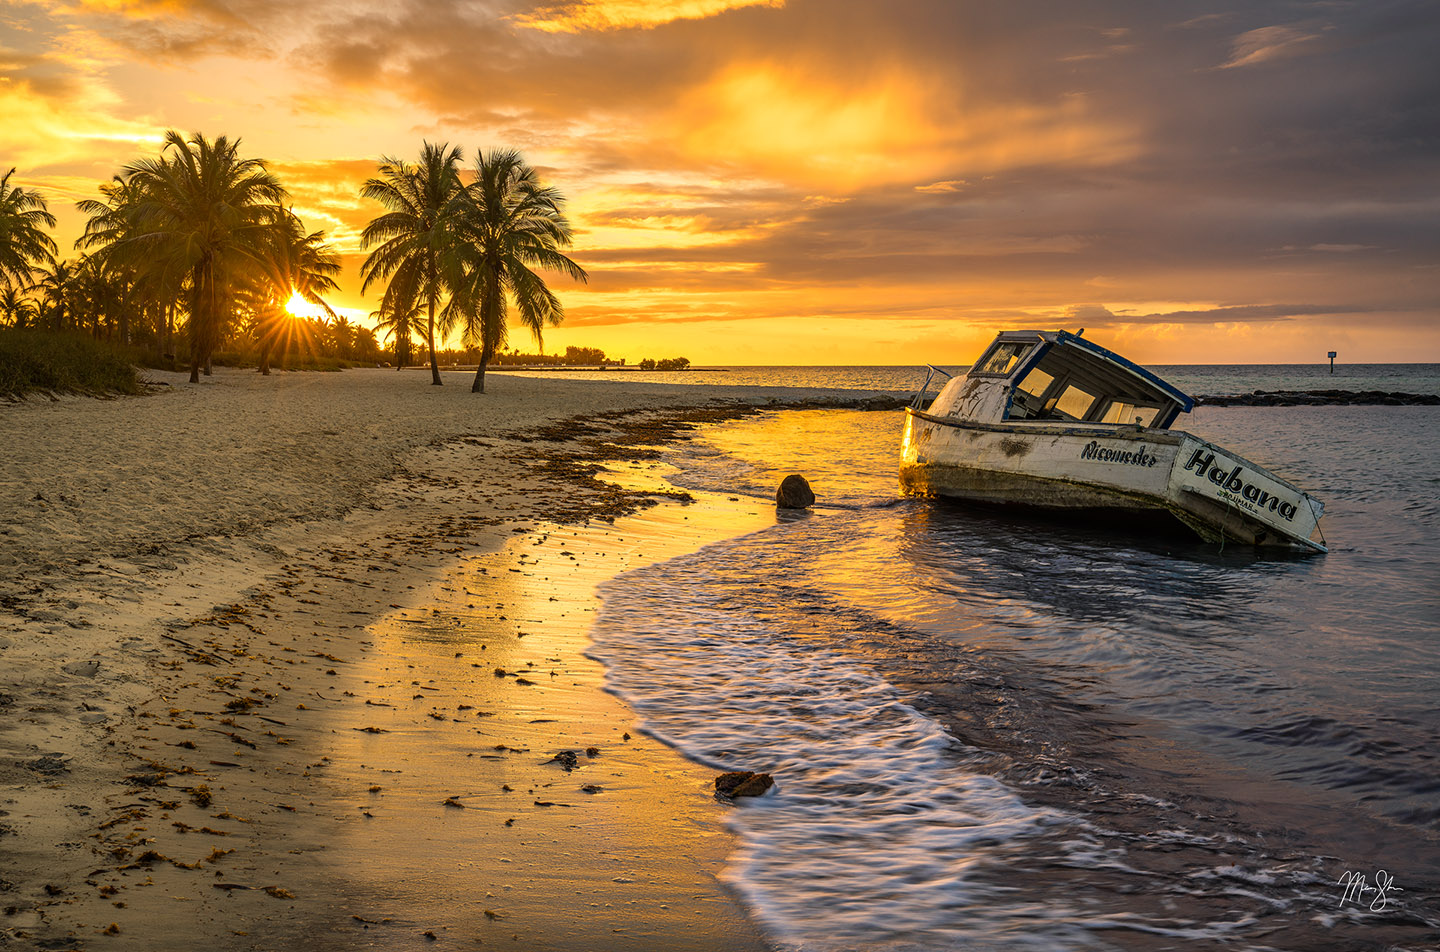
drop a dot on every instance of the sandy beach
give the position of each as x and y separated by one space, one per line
288 662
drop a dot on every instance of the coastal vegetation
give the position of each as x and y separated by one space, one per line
415 241
465 254
513 225
669 363
63 363
189 251
577 357
24 245
195 251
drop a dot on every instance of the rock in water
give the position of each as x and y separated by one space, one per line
743 783
794 493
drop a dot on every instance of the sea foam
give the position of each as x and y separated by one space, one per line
877 829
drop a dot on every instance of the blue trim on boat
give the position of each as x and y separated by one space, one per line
1187 403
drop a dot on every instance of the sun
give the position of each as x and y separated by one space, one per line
299 307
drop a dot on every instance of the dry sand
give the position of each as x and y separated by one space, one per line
285 662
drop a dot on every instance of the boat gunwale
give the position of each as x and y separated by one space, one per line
1124 431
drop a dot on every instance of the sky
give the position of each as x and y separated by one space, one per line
827 181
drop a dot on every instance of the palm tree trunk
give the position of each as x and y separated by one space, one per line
486 353
197 322
170 333
212 317
490 331
430 339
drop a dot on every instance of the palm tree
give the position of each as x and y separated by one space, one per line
204 212
16 310
154 290
342 334
294 264
417 235
364 345
512 224
23 244
124 276
58 288
399 317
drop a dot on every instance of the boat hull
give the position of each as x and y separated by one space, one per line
1222 497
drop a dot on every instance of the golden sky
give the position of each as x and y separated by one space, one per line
828 181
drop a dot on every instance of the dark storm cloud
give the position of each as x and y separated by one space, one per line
1250 312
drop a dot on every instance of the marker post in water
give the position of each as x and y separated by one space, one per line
1332 361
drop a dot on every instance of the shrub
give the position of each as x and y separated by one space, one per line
41 362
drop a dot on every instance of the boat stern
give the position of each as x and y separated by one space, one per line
1242 501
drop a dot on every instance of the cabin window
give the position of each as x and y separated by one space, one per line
1036 382
1002 358
1074 403
1119 412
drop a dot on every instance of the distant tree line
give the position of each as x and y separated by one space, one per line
196 250
672 363
573 357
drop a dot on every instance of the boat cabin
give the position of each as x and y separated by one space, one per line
1056 376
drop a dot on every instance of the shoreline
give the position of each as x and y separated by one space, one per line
186 753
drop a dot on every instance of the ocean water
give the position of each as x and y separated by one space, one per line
993 730
1206 379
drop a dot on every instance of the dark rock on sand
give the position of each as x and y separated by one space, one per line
566 759
82 669
794 493
48 764
742 783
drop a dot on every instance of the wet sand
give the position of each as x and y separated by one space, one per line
288 662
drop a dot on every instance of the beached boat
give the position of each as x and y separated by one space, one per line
1050 419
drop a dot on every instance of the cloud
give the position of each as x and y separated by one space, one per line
581 16
1267 44
1340 249
765 160
57 114
326 196
1250 313
1097 313
937 188
171 30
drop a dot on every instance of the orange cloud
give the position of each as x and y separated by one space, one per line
49 123
584 16
326 195
893 126
137 9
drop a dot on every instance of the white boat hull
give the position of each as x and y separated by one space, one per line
1221 496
